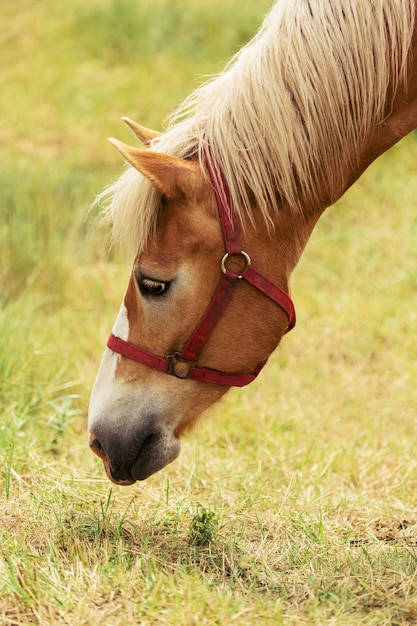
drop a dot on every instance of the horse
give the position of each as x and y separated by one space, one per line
217 210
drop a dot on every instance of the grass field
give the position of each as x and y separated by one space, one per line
295 500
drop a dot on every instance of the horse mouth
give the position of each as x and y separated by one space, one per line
155 452
122 482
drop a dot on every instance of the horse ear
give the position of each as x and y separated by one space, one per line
171 175
145 135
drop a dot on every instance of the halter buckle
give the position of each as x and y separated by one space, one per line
246 257
178 366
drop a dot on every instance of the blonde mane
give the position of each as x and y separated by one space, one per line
283 114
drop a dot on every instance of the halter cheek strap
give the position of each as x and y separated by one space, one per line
183 364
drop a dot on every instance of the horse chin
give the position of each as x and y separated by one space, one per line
156 452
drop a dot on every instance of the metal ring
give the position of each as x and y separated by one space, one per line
175 360
242 253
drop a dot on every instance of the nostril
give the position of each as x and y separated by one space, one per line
96 446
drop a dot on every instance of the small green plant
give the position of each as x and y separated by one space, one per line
203 527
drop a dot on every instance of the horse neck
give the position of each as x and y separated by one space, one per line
280 248
398 123
399 120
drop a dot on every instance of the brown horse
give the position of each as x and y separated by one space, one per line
220 208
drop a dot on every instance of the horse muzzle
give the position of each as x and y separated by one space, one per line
137 458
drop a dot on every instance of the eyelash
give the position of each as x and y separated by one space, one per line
151 287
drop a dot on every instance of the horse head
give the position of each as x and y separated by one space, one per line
138 413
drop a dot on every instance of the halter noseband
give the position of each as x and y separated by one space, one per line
184 364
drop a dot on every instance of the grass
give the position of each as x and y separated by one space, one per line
294 501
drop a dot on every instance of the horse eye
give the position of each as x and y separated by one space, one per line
150 287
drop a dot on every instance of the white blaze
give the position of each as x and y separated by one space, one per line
121 325
105 384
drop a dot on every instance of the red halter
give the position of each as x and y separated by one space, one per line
183 364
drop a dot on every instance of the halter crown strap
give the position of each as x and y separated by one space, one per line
224 207
183 364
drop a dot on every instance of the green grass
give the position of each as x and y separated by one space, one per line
294 502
